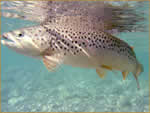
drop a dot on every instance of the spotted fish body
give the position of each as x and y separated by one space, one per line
89 44
78 33
75 41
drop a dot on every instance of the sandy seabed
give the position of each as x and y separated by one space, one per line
71 90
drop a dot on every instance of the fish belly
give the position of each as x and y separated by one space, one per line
114 60
111 59
79 61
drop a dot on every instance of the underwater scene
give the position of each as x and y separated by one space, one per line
28 86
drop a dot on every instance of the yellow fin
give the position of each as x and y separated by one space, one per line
124 74
101 72
132 47
107 67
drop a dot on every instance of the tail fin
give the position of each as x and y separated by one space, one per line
139 70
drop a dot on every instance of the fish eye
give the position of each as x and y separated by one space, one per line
20 35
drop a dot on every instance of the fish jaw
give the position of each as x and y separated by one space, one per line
23 46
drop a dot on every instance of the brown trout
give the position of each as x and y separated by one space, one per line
76 41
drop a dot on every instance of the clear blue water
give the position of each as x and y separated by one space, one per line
27 86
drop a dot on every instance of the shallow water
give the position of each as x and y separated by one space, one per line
27 86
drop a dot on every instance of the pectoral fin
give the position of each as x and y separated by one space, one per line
101 72
53 61
124 74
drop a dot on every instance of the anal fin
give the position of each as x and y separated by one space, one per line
101 72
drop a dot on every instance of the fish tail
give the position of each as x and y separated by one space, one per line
139 70
126 18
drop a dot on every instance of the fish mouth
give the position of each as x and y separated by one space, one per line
8 40
4 36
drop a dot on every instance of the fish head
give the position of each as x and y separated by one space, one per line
28 41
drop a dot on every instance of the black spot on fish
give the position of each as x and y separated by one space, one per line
104 37
111 45
63 40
